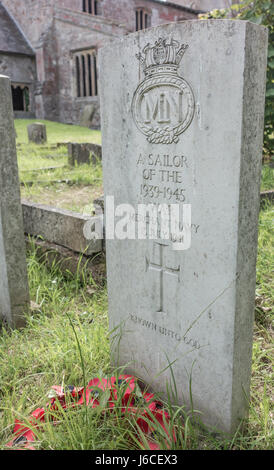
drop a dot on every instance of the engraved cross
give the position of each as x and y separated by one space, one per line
162 269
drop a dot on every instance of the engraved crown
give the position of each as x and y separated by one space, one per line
163 56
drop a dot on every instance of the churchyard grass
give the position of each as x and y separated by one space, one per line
46 353
267 178
62 186
57 133
74 189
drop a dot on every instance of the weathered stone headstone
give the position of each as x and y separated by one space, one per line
37 133
14 293
84 153
182 123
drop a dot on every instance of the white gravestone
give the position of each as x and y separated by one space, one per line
14 292
182 123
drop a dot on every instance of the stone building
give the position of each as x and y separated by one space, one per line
17 60
49 49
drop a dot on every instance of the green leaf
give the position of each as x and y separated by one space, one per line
269 92
104 399
257 20
266 5
268 113
270 52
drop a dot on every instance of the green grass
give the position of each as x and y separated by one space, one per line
46 353
67 188
41 183
82 175
33 158
57 133
267 182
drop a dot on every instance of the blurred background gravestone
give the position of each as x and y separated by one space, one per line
37 133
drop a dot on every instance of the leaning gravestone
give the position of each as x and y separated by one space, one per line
37 133
182 123
14 293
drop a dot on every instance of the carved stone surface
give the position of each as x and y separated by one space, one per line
163 104
37 133
193 308
14 293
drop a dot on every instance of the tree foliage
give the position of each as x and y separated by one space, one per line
259 12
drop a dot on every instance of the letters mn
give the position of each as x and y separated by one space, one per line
162 107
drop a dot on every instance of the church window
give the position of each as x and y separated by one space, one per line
86 73
90 6
142 19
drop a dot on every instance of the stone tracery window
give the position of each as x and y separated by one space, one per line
86 73
142 19
90 6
